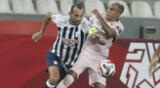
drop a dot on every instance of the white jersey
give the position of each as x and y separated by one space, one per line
92 53
97 49
70 38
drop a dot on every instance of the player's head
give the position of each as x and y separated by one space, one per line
76 14
114 11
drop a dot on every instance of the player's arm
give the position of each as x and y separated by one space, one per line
154 60
105 26
96 36
36 36
46 20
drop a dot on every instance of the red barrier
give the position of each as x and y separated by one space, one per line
25 27
23 62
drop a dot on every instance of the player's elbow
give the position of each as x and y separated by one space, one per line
111 33
102 43
48 16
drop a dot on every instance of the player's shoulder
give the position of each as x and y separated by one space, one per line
85 20
85 24
120 24
59 18
65 19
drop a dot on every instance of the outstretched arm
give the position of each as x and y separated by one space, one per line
38 35
105 26
154 60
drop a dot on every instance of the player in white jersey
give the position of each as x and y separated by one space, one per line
96 47
72 32
154 60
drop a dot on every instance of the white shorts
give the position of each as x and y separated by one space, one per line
91 64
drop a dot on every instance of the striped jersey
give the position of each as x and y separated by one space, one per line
70 38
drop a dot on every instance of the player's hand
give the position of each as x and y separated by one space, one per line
152 65
36 36
96 36
95 11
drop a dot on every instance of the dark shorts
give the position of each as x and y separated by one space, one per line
54 60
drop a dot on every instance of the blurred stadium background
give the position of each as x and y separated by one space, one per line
22 62
138 14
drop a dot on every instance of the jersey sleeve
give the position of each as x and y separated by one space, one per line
119 28
58 19
86 25
94 22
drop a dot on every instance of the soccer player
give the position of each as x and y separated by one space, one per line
96 47
67 46
154 60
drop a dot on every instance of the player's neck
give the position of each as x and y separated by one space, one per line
71 22
110 19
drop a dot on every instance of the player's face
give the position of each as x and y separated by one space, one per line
76 16
113 12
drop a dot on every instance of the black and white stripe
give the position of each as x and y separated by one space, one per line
69 54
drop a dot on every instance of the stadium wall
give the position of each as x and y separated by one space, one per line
132 25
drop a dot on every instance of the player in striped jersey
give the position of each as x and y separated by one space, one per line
96 47
72 32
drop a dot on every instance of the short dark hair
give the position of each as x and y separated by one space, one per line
120 6
78 5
